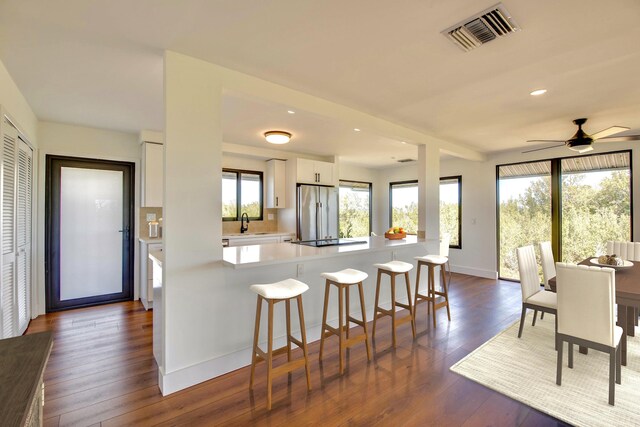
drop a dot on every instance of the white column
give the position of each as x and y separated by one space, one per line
428 192
192 207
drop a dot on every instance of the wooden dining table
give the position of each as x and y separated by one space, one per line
627 299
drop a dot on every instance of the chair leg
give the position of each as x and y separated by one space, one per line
524 313
303 336
346 305
432 295
541 315
618 365
341 336
324 318
535 314
412 308
415 295
556 330
612 376
446 292
288 320
364 321
256 335
559 345
570 355
393 308
375 306
270 356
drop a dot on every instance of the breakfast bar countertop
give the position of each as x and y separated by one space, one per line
277 253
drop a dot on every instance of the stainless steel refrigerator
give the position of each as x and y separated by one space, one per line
317 212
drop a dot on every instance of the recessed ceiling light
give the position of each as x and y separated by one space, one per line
277 136
291 112
403 142
356 129
538 92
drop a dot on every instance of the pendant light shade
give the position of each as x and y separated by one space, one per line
277 136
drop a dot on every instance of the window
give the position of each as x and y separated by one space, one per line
355 208
451 209
403 205
577 203
241 192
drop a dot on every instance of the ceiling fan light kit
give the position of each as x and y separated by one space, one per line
277 136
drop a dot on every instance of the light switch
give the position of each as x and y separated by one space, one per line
151 217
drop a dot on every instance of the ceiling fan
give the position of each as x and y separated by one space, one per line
582 142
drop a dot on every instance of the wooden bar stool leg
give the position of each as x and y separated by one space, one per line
411 307
256 335
324 318
303 335
346 300
393 307
288 314
375 307
341 329
364 320
432 294
270 356
415 296
446 291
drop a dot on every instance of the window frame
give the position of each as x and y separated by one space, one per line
239 173
370 200
556 200
391 184
459 179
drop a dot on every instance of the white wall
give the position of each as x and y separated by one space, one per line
77 141
17 107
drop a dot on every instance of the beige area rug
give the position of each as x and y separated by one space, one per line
525 370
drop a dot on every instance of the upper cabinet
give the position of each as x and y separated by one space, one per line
315 172
276 176
152 169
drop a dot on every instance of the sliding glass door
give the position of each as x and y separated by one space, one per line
577 203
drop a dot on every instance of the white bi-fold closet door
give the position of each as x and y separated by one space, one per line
16 182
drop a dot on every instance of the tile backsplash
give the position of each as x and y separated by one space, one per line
230 227
144 224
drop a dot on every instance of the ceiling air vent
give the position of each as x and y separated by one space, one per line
482 28
406 160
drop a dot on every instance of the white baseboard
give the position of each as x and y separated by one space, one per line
487 274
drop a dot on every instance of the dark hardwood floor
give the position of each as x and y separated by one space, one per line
102 373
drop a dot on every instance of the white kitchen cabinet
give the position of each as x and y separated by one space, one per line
315 172
276 184
146 273
152 174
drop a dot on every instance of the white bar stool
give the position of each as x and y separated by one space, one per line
343 279
394 268
273 293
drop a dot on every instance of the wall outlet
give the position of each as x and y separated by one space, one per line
300 270
270 217
151 217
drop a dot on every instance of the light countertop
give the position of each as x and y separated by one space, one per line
150 240
253 235
276 253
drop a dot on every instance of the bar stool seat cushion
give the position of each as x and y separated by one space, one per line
348 276
395 266
433 259
284 289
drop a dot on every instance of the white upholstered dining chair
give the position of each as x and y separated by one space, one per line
548 264
533 297
586 303
625 250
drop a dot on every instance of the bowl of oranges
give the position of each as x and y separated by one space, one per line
395 233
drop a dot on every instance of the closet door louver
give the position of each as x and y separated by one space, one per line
25 170
8 297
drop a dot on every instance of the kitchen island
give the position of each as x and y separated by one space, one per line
230 305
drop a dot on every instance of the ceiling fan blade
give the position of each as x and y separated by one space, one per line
620 138
609 131
544 148
545 140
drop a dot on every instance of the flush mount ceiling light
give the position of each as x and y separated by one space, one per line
277 136
538 92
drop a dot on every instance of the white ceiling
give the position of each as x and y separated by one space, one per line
99 63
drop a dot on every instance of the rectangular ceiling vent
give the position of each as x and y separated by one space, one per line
406 160
482 28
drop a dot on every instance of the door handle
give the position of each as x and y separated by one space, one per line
276 200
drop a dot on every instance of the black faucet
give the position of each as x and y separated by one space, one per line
244 228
